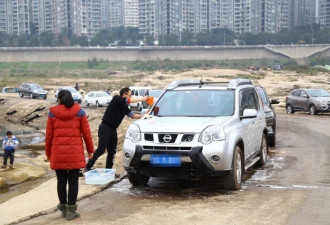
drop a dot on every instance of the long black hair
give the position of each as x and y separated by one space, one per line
65 98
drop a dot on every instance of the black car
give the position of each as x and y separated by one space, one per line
270 113
32 90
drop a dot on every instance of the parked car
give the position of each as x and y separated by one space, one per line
32 90
277 67
138 92
98 98
75 94
199 129
308 99
270 114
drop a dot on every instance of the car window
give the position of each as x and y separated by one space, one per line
263 96
101 94
133 92
296 93
195 103
318 93
35 86
249 100
302 93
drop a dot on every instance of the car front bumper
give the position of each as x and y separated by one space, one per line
194 163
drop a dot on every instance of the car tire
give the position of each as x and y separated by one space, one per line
312 110
97 104
263 151
233 181
21 94
289 109
45 97
31 96
86 103
137 179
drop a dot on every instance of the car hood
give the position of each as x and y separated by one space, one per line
178 124
104 98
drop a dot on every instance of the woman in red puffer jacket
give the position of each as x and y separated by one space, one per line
67 124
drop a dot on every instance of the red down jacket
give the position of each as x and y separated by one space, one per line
64 132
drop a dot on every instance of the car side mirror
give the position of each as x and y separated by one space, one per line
249 113
304 96
275 101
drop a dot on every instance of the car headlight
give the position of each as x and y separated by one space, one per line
321 101
35 91
133 133
212 133
269 114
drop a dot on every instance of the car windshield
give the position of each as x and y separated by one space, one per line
318 93
195 103
101 94
72 90
263 96
155 93
35 86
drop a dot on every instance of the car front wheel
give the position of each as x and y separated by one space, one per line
137 179
20 94
312 110
233 181
97 104
31 95
86 103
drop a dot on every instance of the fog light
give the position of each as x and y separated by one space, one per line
215 158
127 155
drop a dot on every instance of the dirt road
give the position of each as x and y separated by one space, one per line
294 188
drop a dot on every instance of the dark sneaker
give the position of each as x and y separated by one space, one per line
10 166
3 166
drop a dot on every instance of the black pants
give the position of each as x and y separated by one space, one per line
107 140
63 177
10 154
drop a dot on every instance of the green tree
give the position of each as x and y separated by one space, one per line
47 38
22 40
34 41
149 39
187 38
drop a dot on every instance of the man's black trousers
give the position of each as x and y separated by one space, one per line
107 140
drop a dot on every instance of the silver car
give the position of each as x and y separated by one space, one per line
309 100
199 129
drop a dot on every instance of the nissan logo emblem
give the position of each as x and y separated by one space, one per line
167 138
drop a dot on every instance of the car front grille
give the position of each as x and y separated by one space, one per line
167 138
149 137
187 138
166 148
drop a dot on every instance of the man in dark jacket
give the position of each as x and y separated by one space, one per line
111 120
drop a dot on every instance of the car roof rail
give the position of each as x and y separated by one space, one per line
233 84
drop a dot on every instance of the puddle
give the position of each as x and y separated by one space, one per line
169 189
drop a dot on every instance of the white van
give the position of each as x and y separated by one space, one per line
138 92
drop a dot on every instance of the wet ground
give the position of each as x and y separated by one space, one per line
292 189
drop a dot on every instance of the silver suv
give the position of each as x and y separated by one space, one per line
212 129
310 100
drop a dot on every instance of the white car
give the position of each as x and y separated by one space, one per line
98 98
75 94
138 92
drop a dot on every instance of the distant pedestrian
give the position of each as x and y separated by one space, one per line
111 120
9 145
76 87
67 124
108 91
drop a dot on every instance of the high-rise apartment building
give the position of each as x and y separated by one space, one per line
130 13
42 15
304 12
15 16
112 14
324 13
275 15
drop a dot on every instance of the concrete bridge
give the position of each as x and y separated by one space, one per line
65 54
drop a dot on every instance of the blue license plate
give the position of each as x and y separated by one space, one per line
165 160
42 95
75 99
